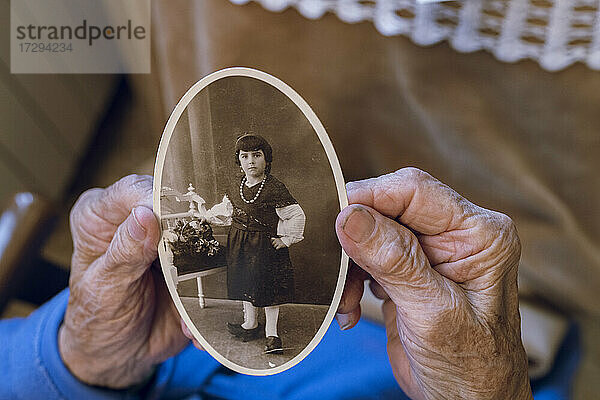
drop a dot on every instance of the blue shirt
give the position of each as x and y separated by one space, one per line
345 365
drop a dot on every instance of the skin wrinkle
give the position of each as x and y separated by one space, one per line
454 331
123 196
417 201
470 278
87 239
119 321
502 252
444 314
397 258
489 280
156 352
448 242
433 256
428 224
107 336
99 317
386 182
395 340
432 312
127 272
495 244
410 199
127 308
386 192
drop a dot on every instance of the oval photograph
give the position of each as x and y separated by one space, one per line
247 187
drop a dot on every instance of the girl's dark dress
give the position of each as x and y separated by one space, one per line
256 271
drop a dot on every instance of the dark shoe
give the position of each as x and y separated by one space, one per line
274 345
235 329
242 333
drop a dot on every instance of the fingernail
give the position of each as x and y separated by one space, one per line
343 320
359 225
136 230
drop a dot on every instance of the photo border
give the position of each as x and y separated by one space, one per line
340 186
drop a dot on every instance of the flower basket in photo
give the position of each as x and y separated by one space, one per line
195 249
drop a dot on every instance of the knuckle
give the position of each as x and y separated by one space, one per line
142 183
396 255
85 199
412 174
89 195
507 224
82 205
122 251
129 180
510 234
503 226
502 239
352 185
386 194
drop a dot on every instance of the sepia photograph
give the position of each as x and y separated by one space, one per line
247 187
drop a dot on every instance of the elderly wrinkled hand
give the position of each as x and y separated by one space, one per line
447 270
120 321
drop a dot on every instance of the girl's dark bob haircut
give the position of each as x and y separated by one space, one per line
251 142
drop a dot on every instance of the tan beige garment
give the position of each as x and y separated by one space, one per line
511 137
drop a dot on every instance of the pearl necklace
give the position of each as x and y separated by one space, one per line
244 179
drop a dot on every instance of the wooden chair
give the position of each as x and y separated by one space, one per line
25 223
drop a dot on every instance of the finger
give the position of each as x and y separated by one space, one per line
348 312
119 198
464 255
98 212
348 320
133 248
377 290
392 255
358 271
415 198
353 290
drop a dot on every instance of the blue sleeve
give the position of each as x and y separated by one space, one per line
345 365
31 367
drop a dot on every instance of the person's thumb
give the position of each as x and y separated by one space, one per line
134 245
392 255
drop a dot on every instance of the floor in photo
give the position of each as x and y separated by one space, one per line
298 324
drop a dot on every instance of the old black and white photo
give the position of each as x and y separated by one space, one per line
247 187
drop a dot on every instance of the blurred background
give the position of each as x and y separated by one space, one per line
521 137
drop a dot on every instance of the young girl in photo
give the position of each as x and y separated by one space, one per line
265 221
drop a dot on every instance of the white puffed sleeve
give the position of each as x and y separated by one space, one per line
220 214
291 224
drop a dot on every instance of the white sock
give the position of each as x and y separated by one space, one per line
249 316
271 315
